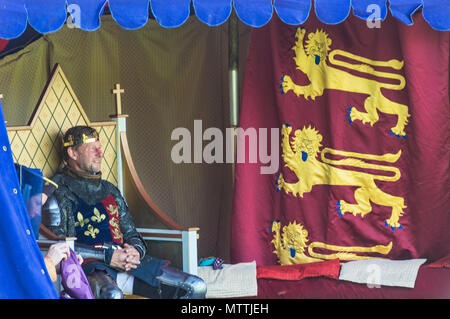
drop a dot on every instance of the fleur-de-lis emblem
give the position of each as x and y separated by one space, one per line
97 216
81 221
91 231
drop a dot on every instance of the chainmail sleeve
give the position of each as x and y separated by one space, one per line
130 235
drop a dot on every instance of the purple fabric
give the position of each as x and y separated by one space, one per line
74 280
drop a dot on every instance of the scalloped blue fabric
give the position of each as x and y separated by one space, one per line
46 16
255 13
404 9
293 12
213 12
130 14
332 11
13 19
50 15
171 13
437 14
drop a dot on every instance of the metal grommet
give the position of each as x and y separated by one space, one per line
15 190
28 232
43 271
5 148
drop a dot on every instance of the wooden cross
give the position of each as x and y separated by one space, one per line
118 91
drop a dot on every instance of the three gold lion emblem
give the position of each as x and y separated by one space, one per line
302 152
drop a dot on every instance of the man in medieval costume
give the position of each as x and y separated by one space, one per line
93 210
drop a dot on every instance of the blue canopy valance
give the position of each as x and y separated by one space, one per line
50 15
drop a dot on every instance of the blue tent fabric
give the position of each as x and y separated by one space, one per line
13 19
88 12
366 9
213 12
332 11
23 274
170 14
254 13
437 13
404 9
292 12
31 182
47 16
131 14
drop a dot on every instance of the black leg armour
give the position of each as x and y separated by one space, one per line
104 286
173 284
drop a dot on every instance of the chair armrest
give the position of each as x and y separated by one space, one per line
51 238
188 239
49 234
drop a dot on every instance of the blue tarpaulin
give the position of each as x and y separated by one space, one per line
47 16
23 273
31 181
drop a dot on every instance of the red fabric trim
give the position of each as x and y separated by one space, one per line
85 261
328 268
110 205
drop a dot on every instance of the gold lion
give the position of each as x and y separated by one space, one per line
300 156
312 61
291 243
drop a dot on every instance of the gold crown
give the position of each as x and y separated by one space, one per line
84 139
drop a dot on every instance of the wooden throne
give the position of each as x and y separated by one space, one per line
38 144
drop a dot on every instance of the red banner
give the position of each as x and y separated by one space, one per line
363 117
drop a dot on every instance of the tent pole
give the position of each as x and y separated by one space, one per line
233 74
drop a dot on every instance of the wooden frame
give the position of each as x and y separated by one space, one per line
57 110
187 236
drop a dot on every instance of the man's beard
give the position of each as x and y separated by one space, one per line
93 170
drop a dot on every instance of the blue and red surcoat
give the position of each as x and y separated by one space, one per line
94 211
98 223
